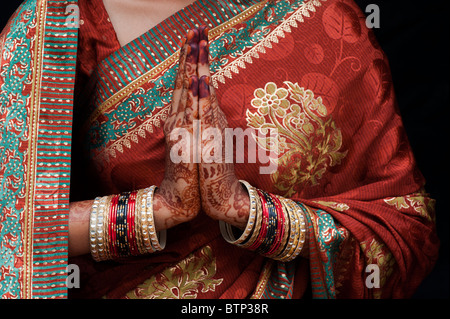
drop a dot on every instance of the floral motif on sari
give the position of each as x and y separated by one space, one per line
419 201
308 141
377 253
185 280
137 108
340 207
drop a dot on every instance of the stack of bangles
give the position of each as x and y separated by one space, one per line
122 225
276 226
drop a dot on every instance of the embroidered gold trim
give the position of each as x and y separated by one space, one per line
186 280
263 279
239 63
146 126
226 71
154 119
114 99
28 212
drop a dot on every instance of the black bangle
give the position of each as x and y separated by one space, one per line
121 225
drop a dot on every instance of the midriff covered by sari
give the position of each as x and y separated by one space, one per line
312 71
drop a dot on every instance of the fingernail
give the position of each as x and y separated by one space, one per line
190 35
188 49
203 86
182 42
193 36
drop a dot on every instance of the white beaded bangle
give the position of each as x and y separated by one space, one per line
101 229
93 229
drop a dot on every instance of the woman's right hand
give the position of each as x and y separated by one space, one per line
177 200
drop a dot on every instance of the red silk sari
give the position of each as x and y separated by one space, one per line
312 71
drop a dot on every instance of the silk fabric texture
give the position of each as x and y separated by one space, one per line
312 72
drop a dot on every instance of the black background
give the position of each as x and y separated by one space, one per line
415 36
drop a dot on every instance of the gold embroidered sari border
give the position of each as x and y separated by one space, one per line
285 26
32 160
118 96
219 76
263 279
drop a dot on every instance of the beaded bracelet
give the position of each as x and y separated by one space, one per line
123 225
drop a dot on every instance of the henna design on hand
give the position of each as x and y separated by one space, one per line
185 183
223 197
177 199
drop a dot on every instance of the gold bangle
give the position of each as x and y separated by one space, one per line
301 242
299 234
293 234
144 224
106 221
227 230
258 222
152 240
101 227
157 239
140 207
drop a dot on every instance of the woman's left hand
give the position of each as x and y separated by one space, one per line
222 195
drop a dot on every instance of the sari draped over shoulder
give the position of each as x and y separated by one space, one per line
310 72
37 76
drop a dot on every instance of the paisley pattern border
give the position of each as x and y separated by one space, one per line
37 164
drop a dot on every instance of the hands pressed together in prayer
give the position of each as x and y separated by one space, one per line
193 185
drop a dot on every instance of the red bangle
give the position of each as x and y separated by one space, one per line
131 234
112 225
280 225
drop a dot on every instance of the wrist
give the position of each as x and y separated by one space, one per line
172 207
233 210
